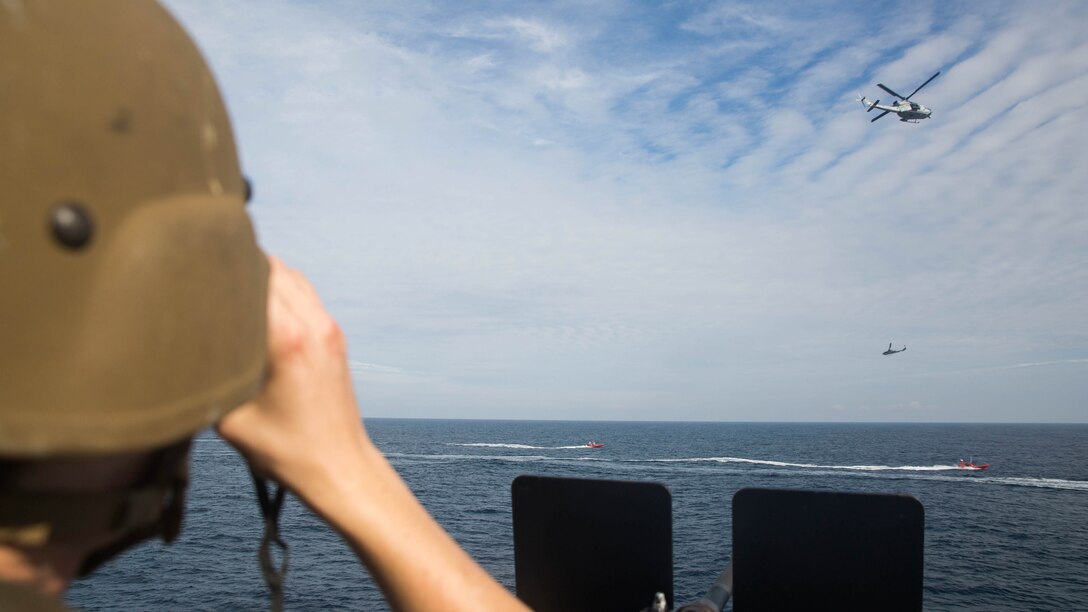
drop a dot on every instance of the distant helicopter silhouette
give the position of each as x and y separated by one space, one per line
891 352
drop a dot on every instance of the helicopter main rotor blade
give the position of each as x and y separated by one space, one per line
874 119
922 85
885 88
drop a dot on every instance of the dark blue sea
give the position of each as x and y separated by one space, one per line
1013 537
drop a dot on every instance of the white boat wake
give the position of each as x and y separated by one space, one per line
926 472
516 446
861 468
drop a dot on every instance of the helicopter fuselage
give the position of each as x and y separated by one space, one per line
907 111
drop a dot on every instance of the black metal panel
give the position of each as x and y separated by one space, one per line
804 550
591 544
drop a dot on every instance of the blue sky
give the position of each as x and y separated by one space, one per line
676 211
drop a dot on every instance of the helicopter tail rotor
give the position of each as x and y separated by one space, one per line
869 105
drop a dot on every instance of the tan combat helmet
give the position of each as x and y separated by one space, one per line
132 290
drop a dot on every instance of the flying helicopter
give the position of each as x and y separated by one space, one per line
891 352
909 112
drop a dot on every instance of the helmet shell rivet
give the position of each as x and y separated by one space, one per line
72 225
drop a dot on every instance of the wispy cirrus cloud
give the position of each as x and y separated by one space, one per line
587 204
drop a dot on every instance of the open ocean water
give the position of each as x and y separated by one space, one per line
1014 537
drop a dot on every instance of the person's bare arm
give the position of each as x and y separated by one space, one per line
305 431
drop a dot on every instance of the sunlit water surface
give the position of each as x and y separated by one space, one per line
1014 537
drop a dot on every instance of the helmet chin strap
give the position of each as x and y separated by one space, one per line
270 510
33 519
154 508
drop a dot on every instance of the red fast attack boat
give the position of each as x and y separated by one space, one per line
594 444
970 465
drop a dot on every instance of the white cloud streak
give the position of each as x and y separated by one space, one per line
615 211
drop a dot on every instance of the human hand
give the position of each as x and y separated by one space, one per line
304 423
304 430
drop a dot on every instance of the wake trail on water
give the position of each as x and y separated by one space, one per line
862 468
516 446
1045 483
924 472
